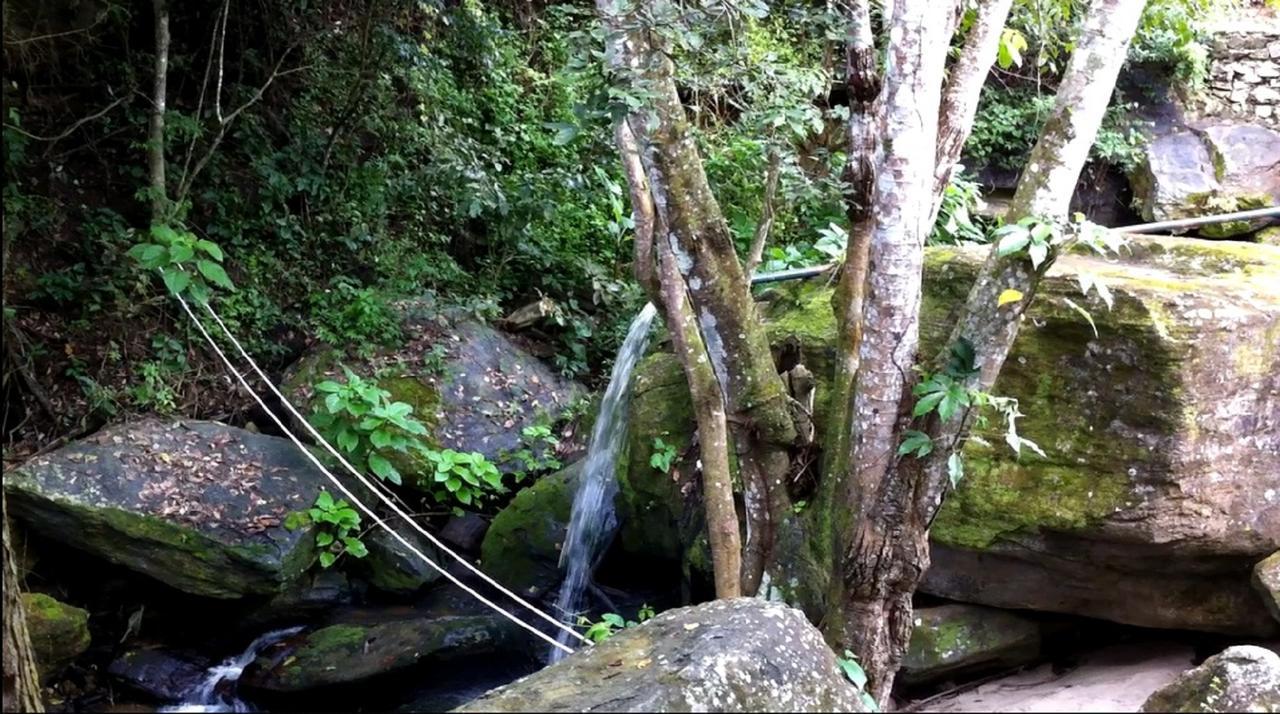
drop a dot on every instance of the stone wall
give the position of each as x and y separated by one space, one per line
1244 73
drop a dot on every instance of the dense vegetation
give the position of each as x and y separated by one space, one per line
349 155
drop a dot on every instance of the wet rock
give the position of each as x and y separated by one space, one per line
1239 679
1162 435
194 504
1218 169
392 568
355 651
310 595
522 547
738 655
472 387
1266 580
953 639
465 533
158 672
59 632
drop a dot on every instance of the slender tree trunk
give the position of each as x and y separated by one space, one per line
21 680
155 133
882 557
964 86
767 209
690 225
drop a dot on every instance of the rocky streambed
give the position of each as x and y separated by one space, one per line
156 549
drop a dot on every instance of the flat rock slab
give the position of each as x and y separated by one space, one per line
194 504
739 655
952 639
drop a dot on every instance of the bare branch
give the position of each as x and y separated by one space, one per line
76 125
766 212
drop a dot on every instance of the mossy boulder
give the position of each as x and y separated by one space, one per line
1238 679
1266 580
521 549
472 386
59 632
1162 435
197 505
1218 169
950 640
1268 236
393 568
738 655
350 652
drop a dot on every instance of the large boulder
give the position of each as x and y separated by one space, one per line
949 640
473 387
161 673
1162 433
739 655
356 650
393 568
1239 679
194 504
521 549
59 632
1221 168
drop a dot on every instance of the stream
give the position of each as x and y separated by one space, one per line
217 692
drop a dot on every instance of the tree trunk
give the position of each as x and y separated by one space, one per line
883 552
964 86
761 235
689 224
155 133
21 680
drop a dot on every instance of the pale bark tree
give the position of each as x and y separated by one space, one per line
21 680
884 551
159 100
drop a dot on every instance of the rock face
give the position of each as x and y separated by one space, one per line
521 549
1239 679
1221 168
165 675
355 651
952 639
1266 580
59 632
1160 490
739 655
393 568
469 384
196 505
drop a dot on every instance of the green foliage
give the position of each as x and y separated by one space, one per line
958 221
536 453
336 528
346 314
464 477
360 419
853 671
663 455
188 265
610 623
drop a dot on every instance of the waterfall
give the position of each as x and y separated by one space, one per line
207 698
593 521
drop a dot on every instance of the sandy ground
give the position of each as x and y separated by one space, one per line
1114 679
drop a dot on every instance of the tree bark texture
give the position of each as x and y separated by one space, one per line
883 553
21 680
155 131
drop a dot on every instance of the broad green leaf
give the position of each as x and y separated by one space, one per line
380 439
210 248
347 440
1013 241
917 442
324 500
324 538
327 559
383 468
176 280
180 253
955 469
927 403
214 274
355 547
1038 253
328 386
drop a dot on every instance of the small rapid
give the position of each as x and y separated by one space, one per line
217 691
593 521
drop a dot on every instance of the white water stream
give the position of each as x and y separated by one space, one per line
207 697
593 521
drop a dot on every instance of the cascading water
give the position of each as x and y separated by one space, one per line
207 698
592 520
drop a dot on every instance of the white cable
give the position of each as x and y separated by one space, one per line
356 501
364 480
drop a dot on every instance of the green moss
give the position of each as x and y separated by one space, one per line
522 546
59 632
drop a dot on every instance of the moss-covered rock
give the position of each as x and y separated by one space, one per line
59 632
196 505
1162 435
473 387
392 568
1218 169
949 640
1268 236
1239 679
356 651
739 655
521 549
1266 580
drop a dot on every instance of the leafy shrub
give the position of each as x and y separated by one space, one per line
610 623
958 221
186 263
345 314
337 525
